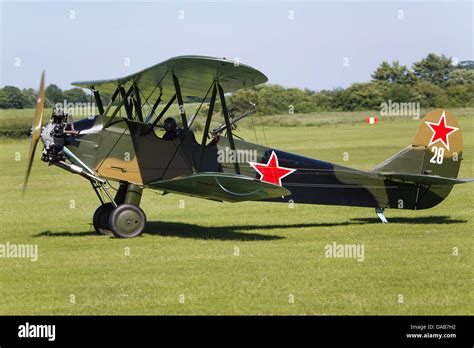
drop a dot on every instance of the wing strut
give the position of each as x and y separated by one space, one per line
98 101
227 122
137 102
187 134
208 124
153 108
122 103
114 96
125 96
158 118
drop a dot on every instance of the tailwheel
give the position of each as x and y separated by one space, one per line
101 219
127 221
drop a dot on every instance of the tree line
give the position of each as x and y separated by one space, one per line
434 81
14 98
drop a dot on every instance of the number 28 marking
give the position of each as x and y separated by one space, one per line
438 155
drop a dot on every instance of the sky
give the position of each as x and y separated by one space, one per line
306 44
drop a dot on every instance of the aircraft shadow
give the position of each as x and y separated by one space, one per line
184 230
413 220
65 234
240 232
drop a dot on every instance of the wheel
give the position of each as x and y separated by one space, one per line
127 221
101 219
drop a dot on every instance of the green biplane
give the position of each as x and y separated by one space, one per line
121 144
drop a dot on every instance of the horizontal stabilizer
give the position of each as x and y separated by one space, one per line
222 187
424 179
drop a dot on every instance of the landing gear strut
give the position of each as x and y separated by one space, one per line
124 219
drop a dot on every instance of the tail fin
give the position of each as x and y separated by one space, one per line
436 150
441 135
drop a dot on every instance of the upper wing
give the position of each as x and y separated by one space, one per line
195 75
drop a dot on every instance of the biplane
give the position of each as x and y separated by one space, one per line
123 144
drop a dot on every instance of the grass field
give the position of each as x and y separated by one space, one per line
245 258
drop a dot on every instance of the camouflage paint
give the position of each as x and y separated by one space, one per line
166 165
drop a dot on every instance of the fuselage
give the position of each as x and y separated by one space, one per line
126 151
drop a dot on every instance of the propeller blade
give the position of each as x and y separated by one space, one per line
35 131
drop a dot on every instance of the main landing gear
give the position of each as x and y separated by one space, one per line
123 217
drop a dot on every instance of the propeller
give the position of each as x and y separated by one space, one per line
35 130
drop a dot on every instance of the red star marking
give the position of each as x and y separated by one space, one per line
441 131
272 172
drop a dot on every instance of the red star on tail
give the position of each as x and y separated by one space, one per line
441 131
272 172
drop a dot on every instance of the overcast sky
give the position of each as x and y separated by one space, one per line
295 43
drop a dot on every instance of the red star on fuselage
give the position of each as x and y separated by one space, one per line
441 131
272 172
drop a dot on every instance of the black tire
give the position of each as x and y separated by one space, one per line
101 219
127 221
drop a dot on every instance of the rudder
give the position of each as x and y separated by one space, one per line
436 150
440 134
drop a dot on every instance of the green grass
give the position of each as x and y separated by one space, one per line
190 250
